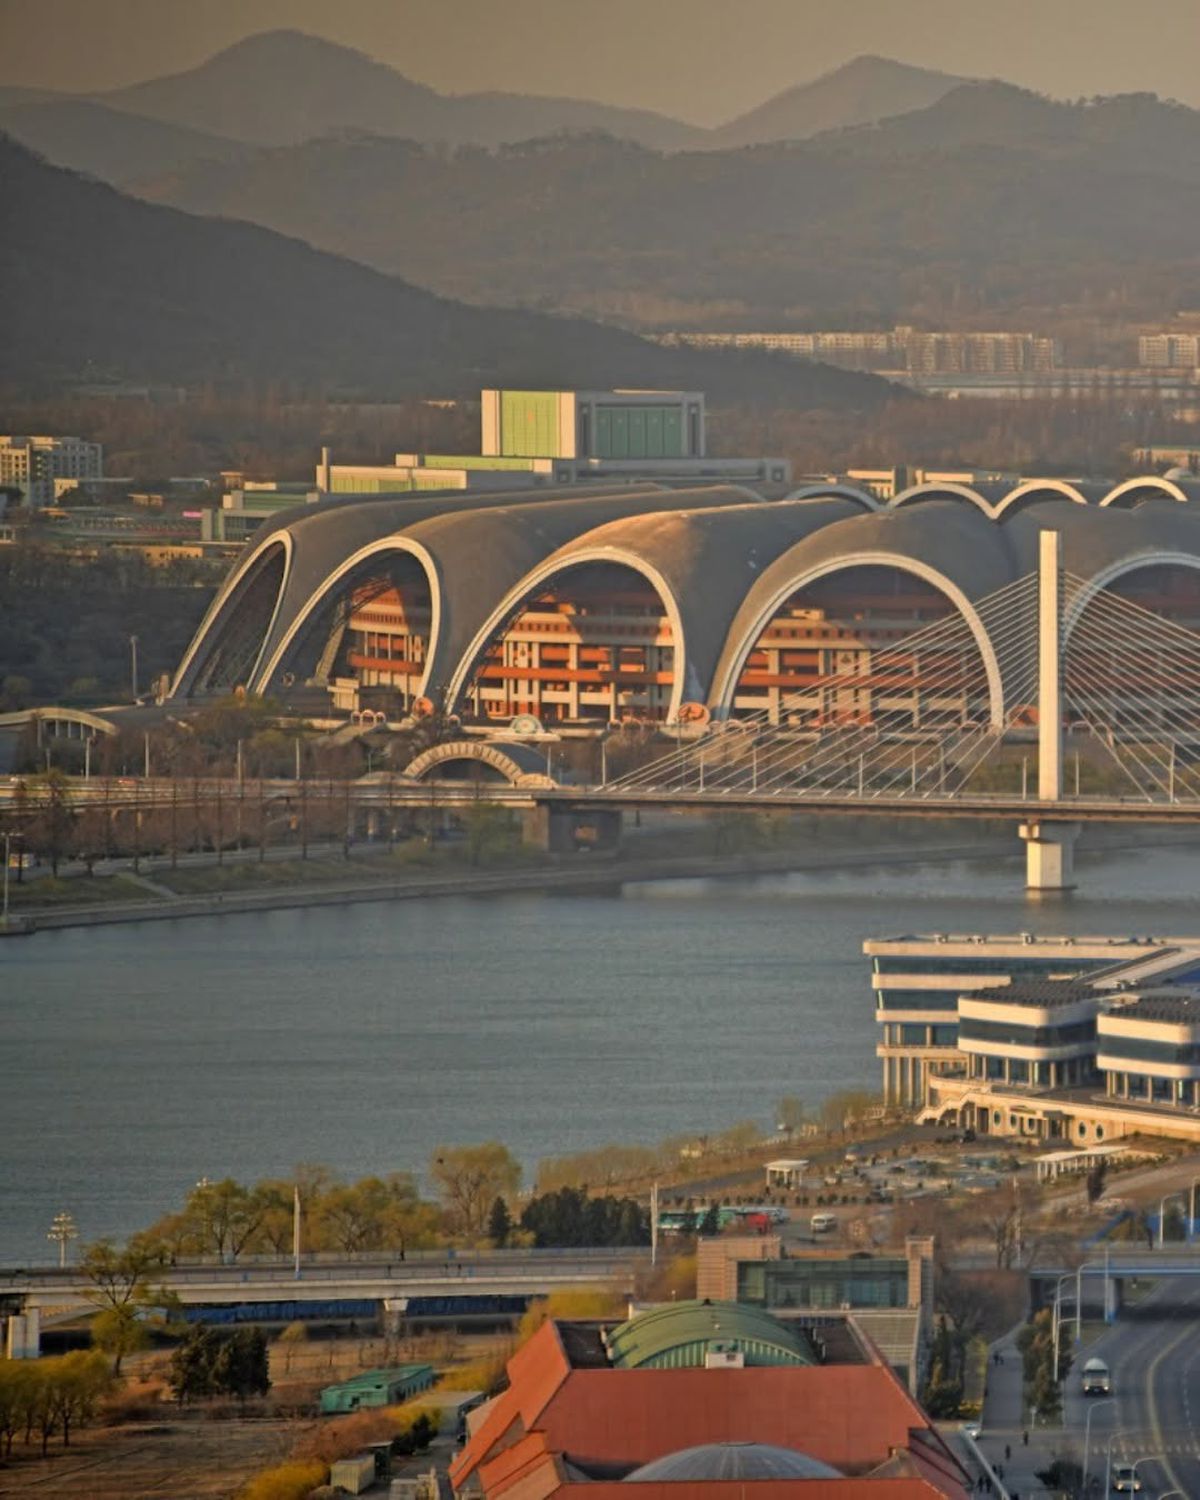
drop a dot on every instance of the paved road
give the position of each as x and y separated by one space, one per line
1154 1413
1154 1355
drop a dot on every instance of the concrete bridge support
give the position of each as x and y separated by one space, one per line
23 1334
565 830
1049 855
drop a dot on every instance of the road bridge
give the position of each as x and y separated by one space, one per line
41 1291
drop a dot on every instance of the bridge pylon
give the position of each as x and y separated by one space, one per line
1049 844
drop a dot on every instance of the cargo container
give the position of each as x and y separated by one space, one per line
354 1475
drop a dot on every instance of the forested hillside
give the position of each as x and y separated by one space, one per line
95 284
992 202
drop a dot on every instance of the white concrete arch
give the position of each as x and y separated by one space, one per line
1059 487
485 753
1167 488
1076 605
320 595
723 689
945 491
226 597
551 568
849 492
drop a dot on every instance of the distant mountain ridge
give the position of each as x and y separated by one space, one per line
281 87
110 143
94 284
993 190
865 89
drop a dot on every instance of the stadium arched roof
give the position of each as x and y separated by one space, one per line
721 558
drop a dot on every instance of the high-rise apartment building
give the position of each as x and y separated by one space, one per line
42 467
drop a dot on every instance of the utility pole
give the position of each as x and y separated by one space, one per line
654 1224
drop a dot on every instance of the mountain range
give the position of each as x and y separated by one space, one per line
993 196
96 285
282 88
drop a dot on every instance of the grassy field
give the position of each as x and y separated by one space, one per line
46 891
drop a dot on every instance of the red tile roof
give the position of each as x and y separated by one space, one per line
854 1417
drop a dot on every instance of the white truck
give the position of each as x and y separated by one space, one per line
1095 1379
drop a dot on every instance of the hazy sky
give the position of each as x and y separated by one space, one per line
702 60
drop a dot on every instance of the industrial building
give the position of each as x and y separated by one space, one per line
583 608
374 1388
704 1398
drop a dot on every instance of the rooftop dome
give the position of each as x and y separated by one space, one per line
731 1461
682 1335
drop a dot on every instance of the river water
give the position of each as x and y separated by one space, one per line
135 1060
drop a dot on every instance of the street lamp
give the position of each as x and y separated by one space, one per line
1145 1458
63 1231
133 645
1087 1432
1057 1317
1162 1216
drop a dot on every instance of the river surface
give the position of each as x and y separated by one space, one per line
135 1060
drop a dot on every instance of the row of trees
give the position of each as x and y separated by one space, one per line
230 1220
209 1364
570 1217
1042 1380
41 1397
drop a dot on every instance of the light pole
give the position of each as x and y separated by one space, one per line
1162 1216
1057 1317
1192 1186
1087 1433
133 645
62 1230
1145 1458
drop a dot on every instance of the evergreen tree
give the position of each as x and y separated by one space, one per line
499 1223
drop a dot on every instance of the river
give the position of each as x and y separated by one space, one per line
135 1060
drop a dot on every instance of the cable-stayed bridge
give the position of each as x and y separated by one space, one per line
976 717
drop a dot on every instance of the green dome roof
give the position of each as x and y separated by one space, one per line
681 1335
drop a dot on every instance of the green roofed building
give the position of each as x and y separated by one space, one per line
707 1335
376 1388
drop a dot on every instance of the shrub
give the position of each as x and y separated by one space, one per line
289 1481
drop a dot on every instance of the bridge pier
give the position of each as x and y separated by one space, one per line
23 1334
565 830
1049 855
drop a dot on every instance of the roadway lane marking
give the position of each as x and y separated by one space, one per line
1186 1332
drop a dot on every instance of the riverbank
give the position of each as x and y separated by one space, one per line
329 882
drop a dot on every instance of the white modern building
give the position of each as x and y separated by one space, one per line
43 467
1072 1039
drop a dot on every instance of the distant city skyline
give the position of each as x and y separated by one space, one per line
700 60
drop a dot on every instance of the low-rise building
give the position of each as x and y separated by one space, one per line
702 1398
376 1388
889 1296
